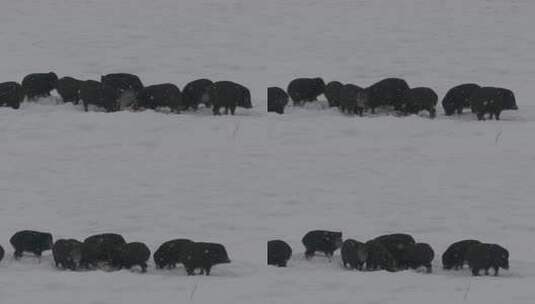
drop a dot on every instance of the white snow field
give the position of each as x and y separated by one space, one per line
246 179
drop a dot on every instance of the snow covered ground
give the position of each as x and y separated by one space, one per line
243 180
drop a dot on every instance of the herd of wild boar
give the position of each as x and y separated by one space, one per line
391 252
393 94
121 91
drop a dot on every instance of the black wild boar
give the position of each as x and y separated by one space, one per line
126 87
420 99
387 92
197 92
455 256
39 85
101 248
354 254
11 94
31 241
278 253
332 93
2 252
458 98
379 257
352 99
67 253
323 241
277 100
486 256
492 101
95 93
303 90
130 255
169 253
229 95
203 256
418 255
160 95
69 89
397 244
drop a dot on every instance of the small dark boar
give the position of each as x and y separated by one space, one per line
169 253
126 87
354 254
278 253
69 89
458 98
420 99
332 93
387 92
67 253
492 101
11 94
486 256
101 248
2 253
160 95
130 255
229 95
95 93
455 256
397 244
323 241
352 99
418 255
277 100
31 241
379 257
303 90
203 256
39 85
197 92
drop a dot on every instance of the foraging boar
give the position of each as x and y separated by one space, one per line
323 241
332 93
352 99
420 99
169 253
31 241
303 90
197 92
277 100
2 252
486 256
397 244
69 89
278 253
39 85
203 256
455 256
130 255
387 92
101 248
354 254
458 98
492 101
95 93
160 95
229 95
67 253
379 257
418 255
11 94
